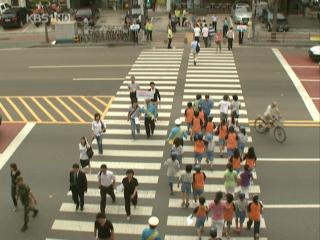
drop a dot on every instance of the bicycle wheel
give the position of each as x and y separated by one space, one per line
260 125
279 134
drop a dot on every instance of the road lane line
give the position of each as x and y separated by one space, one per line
292 160
141 178
290 206
16 109
212 76
43 109
82 226
13 146
310 80
107 108
127 165
100 101
113 131
78 66
146 87
6 113
304 66
184 237
157 78
186 90
98 79
91 104
79 106
110 209
69 109
143 194
130 153
300 88
56 109
131 142
29 109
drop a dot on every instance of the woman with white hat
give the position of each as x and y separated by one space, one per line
151 232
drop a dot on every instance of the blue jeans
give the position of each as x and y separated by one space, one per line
134 127
99 143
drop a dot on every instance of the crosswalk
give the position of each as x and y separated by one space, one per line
215 74
121 152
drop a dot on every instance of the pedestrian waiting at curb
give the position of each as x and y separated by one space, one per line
130 189
28 201
14 173
151 233
98 128
149 29
230 37
173 168
103 228
170 36
78 186
186 179
107 182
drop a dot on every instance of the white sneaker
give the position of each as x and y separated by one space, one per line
128 218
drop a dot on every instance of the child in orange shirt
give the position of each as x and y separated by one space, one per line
236 160
222 131
228 213
199 148
251 158
201 115
201 213
232 141
210 126
197 124
189 113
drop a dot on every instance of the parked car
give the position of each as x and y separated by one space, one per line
14 17
91 14
314 53
4 7
282 23
242 15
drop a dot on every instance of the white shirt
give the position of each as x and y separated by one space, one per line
205 32
96 128
214 18
83 152
224 106
197 31
106 179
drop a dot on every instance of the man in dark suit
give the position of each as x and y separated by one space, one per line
78 185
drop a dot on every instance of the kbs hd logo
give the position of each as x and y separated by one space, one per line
38 18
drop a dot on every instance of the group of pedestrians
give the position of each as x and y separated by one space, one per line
20 190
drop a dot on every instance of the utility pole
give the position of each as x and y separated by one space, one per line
274 20
253 19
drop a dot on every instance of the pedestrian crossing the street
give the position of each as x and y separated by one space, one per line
121 152
215 74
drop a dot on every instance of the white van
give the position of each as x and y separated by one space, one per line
4 7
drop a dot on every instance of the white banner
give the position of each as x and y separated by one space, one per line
145 94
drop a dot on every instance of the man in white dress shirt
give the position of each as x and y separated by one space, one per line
107 182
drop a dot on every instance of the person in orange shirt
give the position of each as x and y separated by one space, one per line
210 126
255 210
232 141
201 115
229 210
197 124
199 148
199 179
236 160
250 158
201 213
188 114
222 131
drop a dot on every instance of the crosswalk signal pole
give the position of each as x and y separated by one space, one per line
274 20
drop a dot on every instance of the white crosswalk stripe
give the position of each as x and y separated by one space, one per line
142 155
184 237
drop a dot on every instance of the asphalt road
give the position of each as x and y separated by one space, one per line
48 151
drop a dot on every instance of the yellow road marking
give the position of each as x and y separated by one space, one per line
49 96
294 125
69 109
56 109
43 109
16 109
6 112
79 106
100 101
29 109
91 105
107 108
293 121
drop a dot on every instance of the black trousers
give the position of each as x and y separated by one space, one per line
197 39
230 42
169 42
103 193
214 25
256 226
205 39
149 35
77 196
149 125
13 195
133 96
128 201
241 34
26 210
225 30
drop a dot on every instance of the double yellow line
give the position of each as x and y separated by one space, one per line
295 123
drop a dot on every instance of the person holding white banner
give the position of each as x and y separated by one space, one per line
150 115
134 118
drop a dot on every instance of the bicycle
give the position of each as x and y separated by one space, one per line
262 127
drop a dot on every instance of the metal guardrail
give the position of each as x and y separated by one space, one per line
286 37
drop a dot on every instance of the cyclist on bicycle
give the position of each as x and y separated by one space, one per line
272 114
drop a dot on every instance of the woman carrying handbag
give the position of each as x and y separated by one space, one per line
86 153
